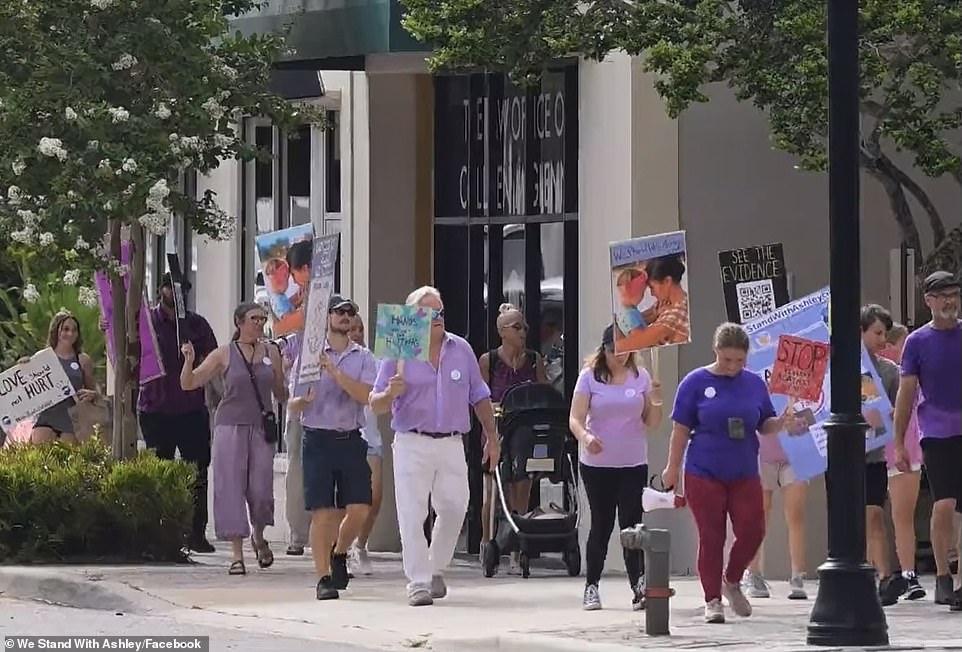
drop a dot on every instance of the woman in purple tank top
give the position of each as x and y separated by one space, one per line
507 366
243 458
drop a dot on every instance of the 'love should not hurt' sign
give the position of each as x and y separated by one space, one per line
32 387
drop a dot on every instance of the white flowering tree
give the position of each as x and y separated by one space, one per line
103 105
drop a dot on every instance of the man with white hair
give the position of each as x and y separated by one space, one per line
430 404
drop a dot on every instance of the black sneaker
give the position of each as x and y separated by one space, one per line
339 575
914 590
326 590
890 589
944 593
200 544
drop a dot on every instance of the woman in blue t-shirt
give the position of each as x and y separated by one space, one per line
718 411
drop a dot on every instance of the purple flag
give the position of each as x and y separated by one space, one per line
151 366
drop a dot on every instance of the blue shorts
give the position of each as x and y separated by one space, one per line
336 472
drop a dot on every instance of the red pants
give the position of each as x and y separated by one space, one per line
712 502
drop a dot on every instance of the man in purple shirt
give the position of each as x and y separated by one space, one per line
172 419
932 363
430 404
337 478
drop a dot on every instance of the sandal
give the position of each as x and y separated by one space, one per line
265 558
237 568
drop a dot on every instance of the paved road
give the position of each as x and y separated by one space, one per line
35 619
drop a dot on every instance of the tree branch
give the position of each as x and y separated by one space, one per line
901 208
935 220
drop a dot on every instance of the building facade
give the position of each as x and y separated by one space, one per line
495 194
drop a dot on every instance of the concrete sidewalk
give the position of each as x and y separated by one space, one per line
542 613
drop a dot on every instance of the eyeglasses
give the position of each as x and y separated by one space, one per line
257 319
437 315
350 312
518 326
945 296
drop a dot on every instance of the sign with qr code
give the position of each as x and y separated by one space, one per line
754 281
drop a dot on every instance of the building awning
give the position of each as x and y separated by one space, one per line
295 84
332 34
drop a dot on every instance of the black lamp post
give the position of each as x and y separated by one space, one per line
847 610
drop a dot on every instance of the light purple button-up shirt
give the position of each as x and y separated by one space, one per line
332 407
436 400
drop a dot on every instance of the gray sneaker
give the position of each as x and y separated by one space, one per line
755 585
797 586
438 588
420 598
592 599
736 599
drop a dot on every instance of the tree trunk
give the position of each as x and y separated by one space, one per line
935 219
135 294
119 326
898 201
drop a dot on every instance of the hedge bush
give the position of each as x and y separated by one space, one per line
60 502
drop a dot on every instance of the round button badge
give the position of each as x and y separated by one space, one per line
630 392
710 392
267 360
455 375
74 366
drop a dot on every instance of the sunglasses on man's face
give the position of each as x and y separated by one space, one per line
350 312
437 315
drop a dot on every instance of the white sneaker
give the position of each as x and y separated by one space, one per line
797 586
736 599
592 598
353 560
514 568
755 585
714 612
364 562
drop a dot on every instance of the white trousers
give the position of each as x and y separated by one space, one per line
298 518
429 468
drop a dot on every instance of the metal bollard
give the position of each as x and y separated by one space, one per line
656 545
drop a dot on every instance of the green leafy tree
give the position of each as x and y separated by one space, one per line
103 106
772 53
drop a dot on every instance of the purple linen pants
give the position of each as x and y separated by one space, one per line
243 470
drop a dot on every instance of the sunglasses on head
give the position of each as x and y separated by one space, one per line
437 314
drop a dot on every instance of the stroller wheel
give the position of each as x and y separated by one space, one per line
525 563
490 559
573 561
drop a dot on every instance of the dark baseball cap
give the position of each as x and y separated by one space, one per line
337 302
940 281
168 283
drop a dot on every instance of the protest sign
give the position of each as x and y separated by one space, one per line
754 281
285 258
649 292
151 366
32 387
800 367
402 332
323 260
177 289
806 445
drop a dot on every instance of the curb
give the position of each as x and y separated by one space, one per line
68 589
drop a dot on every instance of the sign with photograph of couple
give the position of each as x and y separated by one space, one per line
649 292
285 258
789 349
754 281
402 332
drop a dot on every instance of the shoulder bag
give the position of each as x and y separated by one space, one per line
268 418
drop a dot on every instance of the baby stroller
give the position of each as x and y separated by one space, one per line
536 444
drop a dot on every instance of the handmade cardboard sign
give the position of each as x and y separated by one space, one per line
800 367
30 388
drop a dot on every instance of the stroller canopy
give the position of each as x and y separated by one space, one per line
531 396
